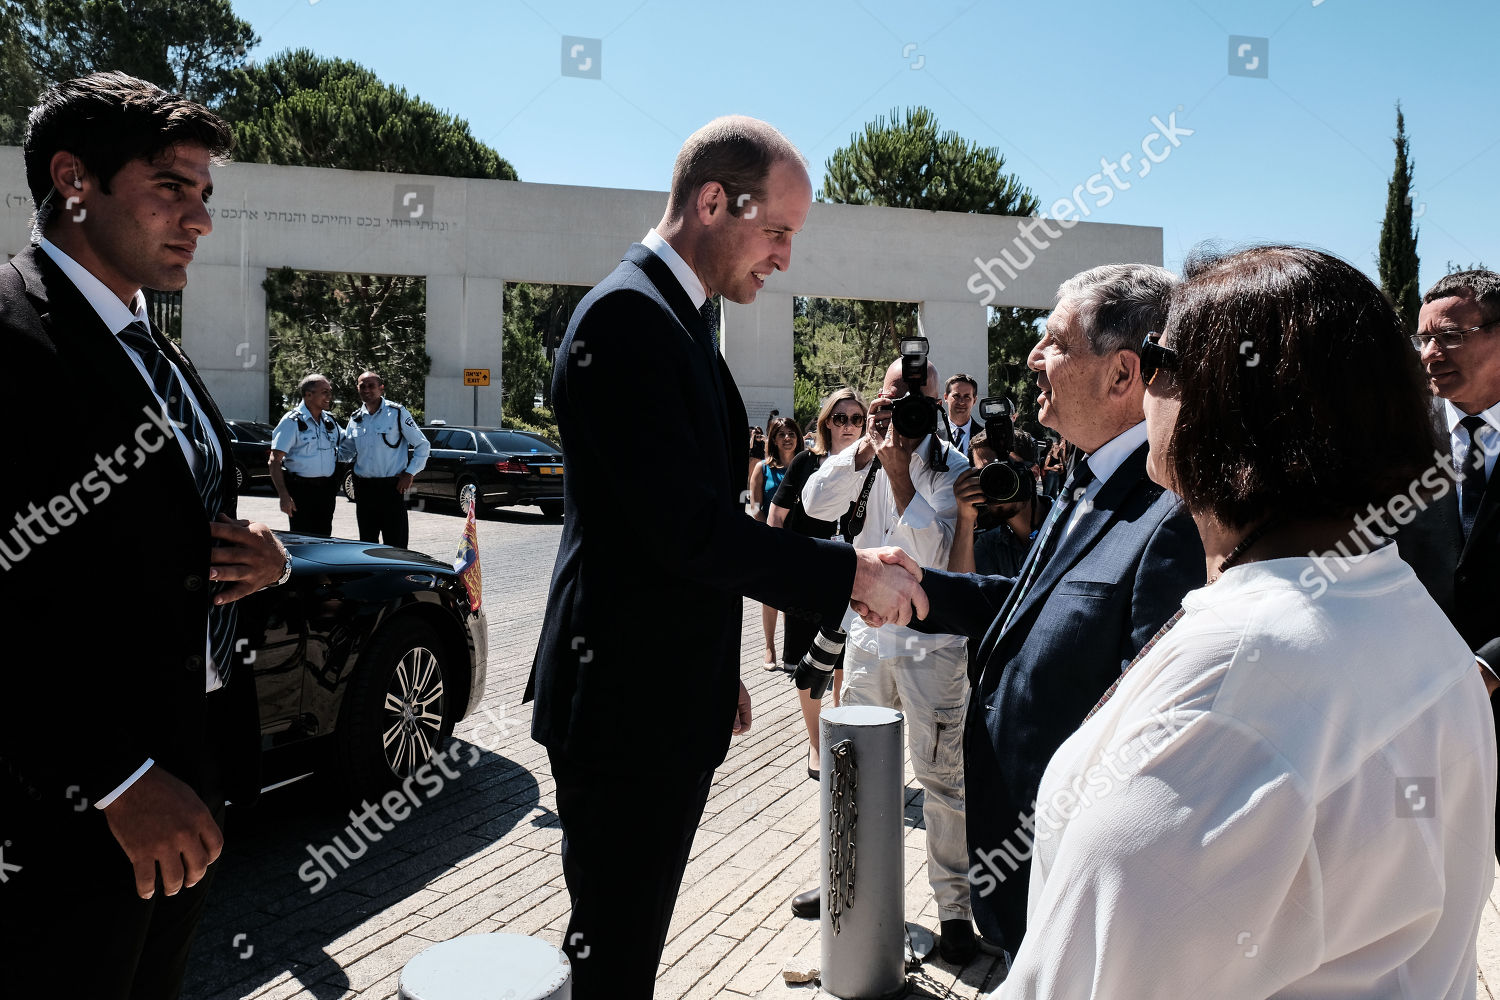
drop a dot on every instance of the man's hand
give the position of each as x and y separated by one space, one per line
886 582
1491 682
248 557
403 482
158 821
288 506
970 498
742 712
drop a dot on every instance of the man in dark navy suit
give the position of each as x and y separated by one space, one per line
1109 567
121 559
636 676
1455 544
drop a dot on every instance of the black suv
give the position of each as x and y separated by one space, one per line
497 466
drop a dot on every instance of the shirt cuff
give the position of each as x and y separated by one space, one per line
120 788
919 513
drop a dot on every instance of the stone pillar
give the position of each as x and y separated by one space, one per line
756 340
464 315
958 339
224 333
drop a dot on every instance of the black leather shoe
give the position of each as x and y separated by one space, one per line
808 904
956 941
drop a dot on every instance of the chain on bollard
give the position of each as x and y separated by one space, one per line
841 852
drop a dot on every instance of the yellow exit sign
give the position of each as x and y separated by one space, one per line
476 376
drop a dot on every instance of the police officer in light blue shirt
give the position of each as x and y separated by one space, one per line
304 451
377 440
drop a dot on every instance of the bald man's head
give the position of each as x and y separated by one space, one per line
895 386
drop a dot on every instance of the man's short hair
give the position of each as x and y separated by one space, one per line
1118 304
981 439
960 377
1023 444
734 150
1300 393
1482 286
378 380
308 381
107 120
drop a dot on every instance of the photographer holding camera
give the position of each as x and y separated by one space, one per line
1000 511
900 474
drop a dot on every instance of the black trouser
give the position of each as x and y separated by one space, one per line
314 497
71 923
381 510
626 840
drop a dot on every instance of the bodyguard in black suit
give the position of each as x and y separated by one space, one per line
636 677
121 559
1456 545
1110 566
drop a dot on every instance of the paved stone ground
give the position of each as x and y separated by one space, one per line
483 853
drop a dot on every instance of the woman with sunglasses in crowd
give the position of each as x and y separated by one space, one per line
840 425
1290 790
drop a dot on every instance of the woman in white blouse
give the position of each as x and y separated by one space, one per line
1290 793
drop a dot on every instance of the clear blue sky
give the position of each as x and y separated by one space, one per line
1302 155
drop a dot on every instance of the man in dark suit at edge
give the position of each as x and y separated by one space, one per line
1455 548
1109 567
636 676
122 561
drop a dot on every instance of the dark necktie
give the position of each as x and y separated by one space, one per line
1471 475
958 439
710 314
166 381
1052 532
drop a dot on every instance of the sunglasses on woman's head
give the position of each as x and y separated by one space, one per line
842 419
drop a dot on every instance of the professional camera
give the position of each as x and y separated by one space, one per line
915 415
1004 480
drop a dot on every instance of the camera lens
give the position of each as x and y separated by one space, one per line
914 416
1000 482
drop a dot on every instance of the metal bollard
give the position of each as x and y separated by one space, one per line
862 869
488 967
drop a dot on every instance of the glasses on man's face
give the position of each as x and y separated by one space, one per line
845 419
1448 340
1155 358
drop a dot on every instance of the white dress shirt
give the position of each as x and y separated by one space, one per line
654 242
1489 435
1290 795
923 531
1102 463
966 437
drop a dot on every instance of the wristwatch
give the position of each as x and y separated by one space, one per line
286 572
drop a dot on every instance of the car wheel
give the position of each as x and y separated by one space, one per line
349 486
467 493
399 709
552 508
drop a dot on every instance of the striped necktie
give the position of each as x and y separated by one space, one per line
1052 532
208 475
1470 469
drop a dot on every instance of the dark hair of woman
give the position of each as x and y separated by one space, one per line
1301 395
773 450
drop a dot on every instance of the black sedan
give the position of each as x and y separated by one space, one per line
497 466
251 444
364 661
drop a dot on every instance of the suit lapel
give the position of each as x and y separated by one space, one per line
677 298
1092 524
1484 520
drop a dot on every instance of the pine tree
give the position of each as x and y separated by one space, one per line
1398 240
